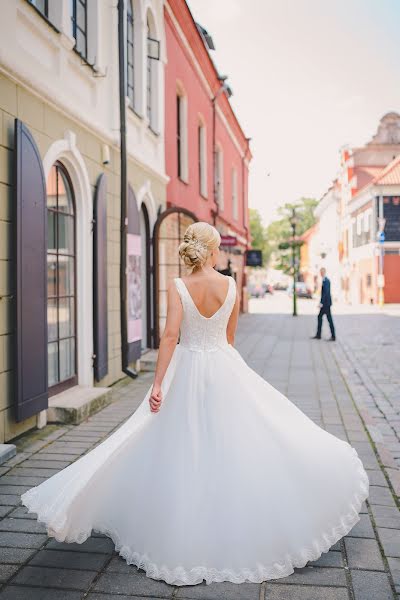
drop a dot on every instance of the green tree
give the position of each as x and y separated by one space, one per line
258 234
279 232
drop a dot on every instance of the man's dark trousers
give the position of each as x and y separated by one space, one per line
325 310
326 303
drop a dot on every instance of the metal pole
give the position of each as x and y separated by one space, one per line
124 188
294 263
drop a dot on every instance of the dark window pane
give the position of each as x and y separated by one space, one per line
51 188
81 42
67 358
52 320
60 276
80 16
52 356
66 234
130 78
66 265
65 203
41 5
51 275
66 315
51 230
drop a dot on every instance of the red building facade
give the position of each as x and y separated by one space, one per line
207 154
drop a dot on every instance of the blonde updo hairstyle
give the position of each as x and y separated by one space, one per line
199 241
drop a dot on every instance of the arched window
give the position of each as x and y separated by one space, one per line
130 54
168 234
61 280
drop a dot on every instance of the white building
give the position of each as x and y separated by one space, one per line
326 242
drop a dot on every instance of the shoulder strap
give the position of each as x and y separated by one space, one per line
181 289
231 294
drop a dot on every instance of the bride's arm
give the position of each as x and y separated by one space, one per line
233 321
168 342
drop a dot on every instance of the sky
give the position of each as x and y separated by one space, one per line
308 77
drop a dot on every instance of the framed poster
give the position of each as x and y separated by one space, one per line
134 300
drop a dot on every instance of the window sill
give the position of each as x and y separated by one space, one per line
133 116
85 61
153 132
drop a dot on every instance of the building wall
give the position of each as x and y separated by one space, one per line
180 72
71 109
190 73
391 272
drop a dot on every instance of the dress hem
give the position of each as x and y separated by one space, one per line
180 576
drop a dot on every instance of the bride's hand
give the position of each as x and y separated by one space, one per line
155 398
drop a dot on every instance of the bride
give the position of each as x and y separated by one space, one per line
217 476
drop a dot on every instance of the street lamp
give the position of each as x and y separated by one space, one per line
293 222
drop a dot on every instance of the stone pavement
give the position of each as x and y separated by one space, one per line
363 566
369 358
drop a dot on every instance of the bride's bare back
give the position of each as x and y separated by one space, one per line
208 291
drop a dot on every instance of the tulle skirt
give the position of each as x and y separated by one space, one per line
229 481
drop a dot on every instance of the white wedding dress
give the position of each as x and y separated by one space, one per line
229 481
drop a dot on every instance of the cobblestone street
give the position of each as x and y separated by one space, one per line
347 388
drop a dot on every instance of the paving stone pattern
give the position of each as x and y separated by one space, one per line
363 566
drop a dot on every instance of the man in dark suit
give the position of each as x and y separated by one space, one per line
325 307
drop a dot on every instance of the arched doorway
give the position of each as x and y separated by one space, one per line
168 234
61 280
145 276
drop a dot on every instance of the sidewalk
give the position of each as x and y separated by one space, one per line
363 566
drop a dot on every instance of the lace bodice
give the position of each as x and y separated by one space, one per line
200 333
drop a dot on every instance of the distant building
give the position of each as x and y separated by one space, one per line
351 213
309 257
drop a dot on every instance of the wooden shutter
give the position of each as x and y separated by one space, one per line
100 329
30 255
135 347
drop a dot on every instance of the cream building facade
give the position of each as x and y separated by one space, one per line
59 77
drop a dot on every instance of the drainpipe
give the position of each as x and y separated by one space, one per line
124 189
223 87
244 280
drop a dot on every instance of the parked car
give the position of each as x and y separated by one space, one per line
280 285
302 290
268 288
256 290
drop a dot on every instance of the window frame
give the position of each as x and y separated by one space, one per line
73 379
202 158
182 155
219 177
234 195
76 27
130 66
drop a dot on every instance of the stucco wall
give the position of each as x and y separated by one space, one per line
48 126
